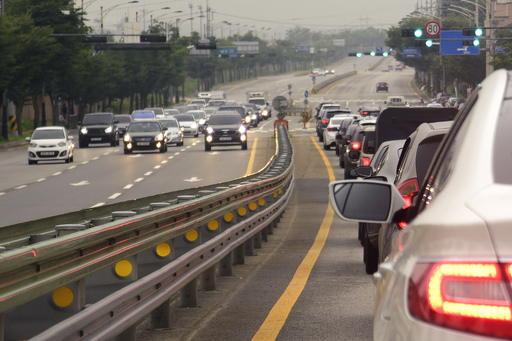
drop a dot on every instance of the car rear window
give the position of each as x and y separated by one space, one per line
424 155
143 115
123 119
369 143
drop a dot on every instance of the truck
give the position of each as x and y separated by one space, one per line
260 99
217 95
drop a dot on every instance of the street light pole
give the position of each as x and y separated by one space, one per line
191 19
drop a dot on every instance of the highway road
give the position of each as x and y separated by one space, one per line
306 283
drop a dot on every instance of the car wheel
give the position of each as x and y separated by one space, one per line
163 149
113 143
67 160
71 159
127 151
371 257
82 144
30 162
196 135
337 150
347 173
360 234
341 162
321 138
326 147
244 145
207 147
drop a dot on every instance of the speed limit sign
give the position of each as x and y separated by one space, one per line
432 28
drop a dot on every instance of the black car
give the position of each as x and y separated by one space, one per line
240 110
225 128
382 86
145 135
370 109
98 128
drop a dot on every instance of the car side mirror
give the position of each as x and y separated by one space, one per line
385 102
362 171
27 139
365 201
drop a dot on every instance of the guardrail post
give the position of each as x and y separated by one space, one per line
249 247
238 255
209 279
257 240
264 234
226 265
2 329
188 296
160 317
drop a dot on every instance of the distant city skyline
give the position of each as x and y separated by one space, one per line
265 17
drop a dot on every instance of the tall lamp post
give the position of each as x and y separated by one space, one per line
111 8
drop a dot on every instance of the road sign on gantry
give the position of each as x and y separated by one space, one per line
432 28
451 44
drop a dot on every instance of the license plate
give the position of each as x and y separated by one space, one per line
142 143
96 139
224 138
47 153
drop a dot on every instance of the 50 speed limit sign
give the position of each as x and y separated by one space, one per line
432 28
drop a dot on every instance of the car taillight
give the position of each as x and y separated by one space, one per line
364 161
471 296
386 85
364 113
329 129
324 121
409 190
355 145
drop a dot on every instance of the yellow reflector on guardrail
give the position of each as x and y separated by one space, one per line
275 194
262 202
242 211
228 217
213 225
163 249
124 268
253 206
192 235
63 297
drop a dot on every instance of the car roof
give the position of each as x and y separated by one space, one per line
50 128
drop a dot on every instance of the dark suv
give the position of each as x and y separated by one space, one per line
225 128
324 118
382 86
98 128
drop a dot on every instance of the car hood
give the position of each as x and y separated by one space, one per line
48 142
150 133
186 123
95 126
225 126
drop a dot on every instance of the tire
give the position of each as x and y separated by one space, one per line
71 159
360 234
30 162
321 138
127 151
326 147
113 143
163 149
244 145
67 160
82 144
337 150
342 161
347 173
196 135
371 257
207 147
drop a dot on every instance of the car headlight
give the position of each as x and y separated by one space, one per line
33 145
264 112
61 144
254 117
127 138
193 126
175 132
109 129
159 137
182 128
83 130
202 121
209 130
247 119
242 130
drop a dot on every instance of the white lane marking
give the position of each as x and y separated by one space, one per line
2 193
148 173
128 186
42 179
139 180
107 154
20 187
81 183
188 147
165 161
171 157
137 155
96 158
85 162
98 204
72 167
58 173
115 195
157 167
178 153
192 179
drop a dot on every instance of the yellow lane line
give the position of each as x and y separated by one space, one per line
236 87
341 82
276 319
251 159
412 89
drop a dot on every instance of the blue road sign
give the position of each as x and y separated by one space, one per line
379 49
451 44
411 52
306 94
229 50
302 48
313 78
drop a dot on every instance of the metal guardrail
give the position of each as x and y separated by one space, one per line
54 280
325 83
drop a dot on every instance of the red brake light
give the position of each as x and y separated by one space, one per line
409 190
329 129
468 296
386 85
364 113
325 121
356 145
364 161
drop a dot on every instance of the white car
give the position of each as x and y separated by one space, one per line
449 273
50 144
188 124
329 132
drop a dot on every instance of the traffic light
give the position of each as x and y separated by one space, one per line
223 55
355 54
419 43
372 53
429 43
152 38
94 39
412 32
474 32
385 54
205 45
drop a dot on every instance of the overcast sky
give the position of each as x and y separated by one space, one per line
267 17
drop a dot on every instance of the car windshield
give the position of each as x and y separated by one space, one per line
198 114
97 119
123 119
169 123
239 110
224 119
50 134
184 118
257 101
144 127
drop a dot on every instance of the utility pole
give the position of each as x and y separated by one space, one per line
5 121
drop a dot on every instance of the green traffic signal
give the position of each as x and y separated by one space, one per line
478 32
372 53
418 33
385 54
429 43
476 42
359 55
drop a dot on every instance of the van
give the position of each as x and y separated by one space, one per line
396 101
